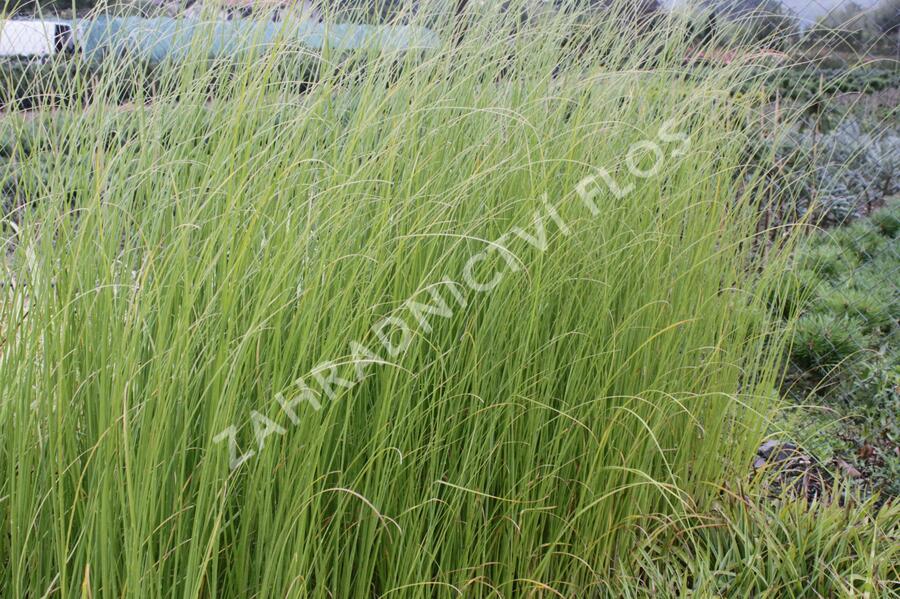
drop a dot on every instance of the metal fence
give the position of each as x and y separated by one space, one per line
851 323
844 165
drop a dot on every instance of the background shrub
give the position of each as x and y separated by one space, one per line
827 260
823 341
861 238
872 307
887 219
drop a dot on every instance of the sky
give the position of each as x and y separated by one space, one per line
809 10
812 9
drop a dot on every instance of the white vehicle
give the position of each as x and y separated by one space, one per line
34 38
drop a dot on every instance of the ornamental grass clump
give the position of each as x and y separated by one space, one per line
748 547
456 322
